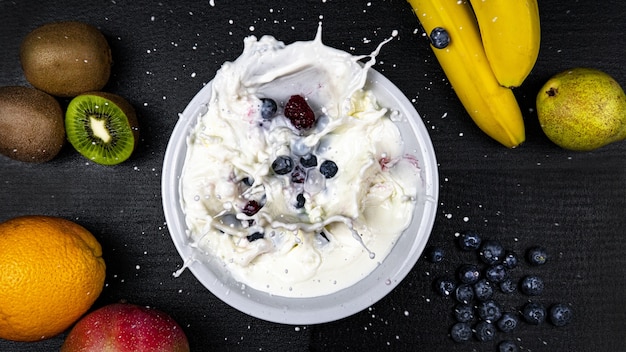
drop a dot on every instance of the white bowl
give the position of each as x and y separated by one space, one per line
338 305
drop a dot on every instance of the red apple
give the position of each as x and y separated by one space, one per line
125 327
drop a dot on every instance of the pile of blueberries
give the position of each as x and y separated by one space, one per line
477 313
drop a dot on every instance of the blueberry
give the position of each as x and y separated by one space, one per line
491 251
328 168
282 165
248 181
439 38
510 260
461 332
531 285
268 108
464 293
468 273
507 286
435 254
508 346
508 322
489 311
534 313
485 331
445 286
308 160
496 273
483 290
469 240
300 200
463 313
560 314
255 236
536 255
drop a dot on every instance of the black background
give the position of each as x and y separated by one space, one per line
572 203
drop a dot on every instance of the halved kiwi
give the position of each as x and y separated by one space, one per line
102 127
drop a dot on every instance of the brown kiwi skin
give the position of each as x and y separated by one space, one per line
31 124
66 58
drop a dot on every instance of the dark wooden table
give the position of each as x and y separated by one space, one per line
572 203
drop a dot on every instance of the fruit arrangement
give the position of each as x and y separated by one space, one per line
482 67
483 58
52 268
52 272
68 60
487 47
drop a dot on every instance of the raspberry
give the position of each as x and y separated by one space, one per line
299 113
298 175
251 207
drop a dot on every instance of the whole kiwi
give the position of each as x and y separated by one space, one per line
66 58
31 124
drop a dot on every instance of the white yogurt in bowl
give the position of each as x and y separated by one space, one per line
294 241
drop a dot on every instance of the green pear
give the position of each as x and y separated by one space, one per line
582 109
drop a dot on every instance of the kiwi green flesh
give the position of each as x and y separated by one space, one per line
100 129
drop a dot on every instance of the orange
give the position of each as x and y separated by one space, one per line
51 272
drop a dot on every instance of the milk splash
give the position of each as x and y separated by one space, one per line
347 221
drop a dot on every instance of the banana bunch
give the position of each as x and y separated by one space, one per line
485 48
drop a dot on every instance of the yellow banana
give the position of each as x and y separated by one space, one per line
492 107
510 32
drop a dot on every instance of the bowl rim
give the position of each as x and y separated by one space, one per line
290 310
